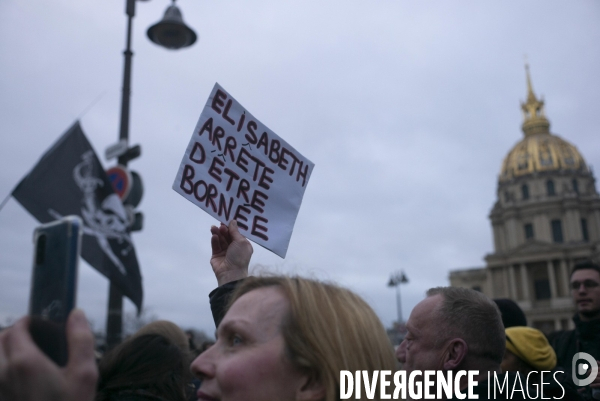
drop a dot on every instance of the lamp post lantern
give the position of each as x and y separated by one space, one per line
170 33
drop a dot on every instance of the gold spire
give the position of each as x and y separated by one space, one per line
535 121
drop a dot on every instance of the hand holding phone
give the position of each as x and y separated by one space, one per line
26 374
53 284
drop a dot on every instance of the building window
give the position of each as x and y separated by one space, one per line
575 186
528 231
557 235
525 191
584 230
542 289
550 188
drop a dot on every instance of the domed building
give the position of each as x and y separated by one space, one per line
546 218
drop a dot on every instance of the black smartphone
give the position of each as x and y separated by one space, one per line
54 284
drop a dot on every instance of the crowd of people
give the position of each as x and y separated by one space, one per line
288 338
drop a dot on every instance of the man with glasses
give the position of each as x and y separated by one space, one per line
585 290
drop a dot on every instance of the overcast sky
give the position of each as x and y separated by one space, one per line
407 109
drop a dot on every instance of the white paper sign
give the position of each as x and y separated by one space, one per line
236 168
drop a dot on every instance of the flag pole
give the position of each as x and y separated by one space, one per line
5 201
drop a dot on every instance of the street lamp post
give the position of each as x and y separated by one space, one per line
396 279
171 33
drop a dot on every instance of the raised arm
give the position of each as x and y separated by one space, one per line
231 253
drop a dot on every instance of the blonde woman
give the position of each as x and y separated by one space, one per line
284 338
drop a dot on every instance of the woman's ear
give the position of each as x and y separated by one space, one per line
311 390
456 351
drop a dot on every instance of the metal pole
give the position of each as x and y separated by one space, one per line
398 303
114 320
126 95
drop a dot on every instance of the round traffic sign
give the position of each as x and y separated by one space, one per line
120 179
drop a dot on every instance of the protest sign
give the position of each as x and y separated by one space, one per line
235 167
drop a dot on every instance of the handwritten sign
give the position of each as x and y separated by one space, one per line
235 168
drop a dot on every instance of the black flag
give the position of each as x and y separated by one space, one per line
69 179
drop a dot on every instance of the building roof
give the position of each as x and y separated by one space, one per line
539 150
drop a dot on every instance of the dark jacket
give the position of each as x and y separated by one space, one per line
219 300
585 338
134 395
566 343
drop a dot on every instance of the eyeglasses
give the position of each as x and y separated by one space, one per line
587 284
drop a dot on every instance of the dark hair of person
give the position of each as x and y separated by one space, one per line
512 314
586 264
145 367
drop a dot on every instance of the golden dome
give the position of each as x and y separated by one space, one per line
539 150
